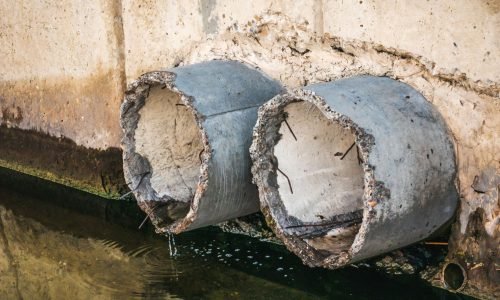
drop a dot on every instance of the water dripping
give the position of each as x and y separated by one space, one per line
172 248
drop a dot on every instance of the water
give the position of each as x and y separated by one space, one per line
61 244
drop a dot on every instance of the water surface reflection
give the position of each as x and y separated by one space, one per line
50 251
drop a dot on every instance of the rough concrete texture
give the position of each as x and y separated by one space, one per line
62 69
61 160
187 132
457 36
168 136
407 159
292 53
447 50
308 152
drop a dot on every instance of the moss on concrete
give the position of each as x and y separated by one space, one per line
60 160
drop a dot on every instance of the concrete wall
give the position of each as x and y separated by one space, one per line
62 68
455 35
65 65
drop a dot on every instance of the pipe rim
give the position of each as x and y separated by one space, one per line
135 99
409 188
363 140
445 281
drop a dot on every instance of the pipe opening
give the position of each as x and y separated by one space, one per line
454 277
323 164
185 144
351 169
168 136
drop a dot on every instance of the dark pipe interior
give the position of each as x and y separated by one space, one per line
454 276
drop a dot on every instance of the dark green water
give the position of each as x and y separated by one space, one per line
56 243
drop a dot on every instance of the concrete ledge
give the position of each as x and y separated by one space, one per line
60 160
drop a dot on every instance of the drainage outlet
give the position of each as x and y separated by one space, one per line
186 137
454 277
351 169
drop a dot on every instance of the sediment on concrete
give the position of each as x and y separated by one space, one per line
187 132
354 168
62 161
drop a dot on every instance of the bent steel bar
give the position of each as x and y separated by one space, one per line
186 137
351 169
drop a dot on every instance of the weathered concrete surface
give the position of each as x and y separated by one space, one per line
62 75
51 56
475 239
378 169
187 132
61 160
457 36
62 69
470 108
89 49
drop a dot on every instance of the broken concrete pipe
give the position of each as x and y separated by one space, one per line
351 169
187 132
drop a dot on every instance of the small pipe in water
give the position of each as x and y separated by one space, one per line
454 276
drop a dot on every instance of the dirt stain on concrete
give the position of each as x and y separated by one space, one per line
85 110
12 115
63 161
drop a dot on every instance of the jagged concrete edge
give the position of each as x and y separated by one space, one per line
271 116
135 98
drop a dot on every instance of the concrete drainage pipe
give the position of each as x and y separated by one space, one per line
351 169
187 132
